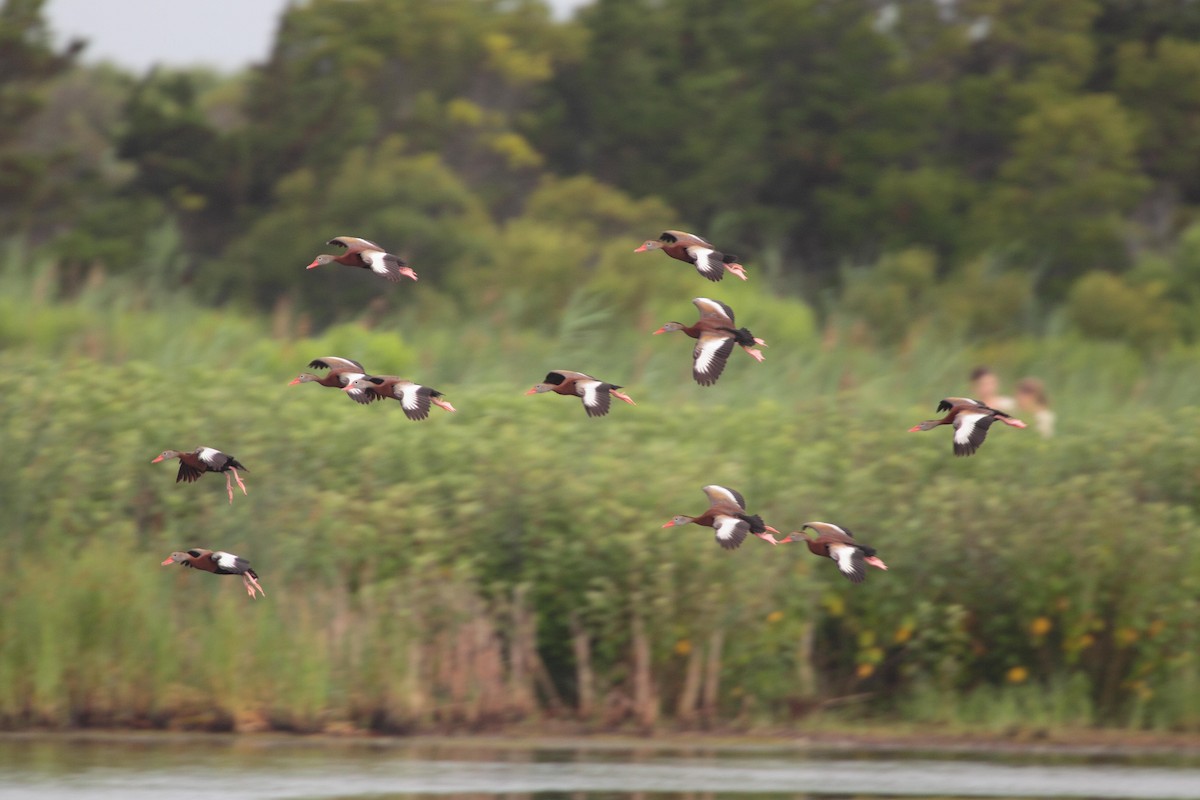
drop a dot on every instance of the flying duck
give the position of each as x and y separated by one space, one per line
219 563
716 335
727 516
205 459
414 398
594 392
692 249
839 544
368 255
971 420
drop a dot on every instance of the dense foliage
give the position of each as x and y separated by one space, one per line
944 183
1054 142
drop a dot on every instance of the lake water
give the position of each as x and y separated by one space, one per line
240 768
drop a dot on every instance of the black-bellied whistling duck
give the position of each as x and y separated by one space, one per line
414 398
716 335
219 563
595 393
727 516
971 420
368 255
692 249
839 544
205 459
341 372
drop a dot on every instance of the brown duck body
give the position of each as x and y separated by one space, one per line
195 463
694 250
366 254
218 562
716 334
414 398
342 372
727 516
839 545
595 394
971 420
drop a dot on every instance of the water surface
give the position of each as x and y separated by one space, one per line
242 768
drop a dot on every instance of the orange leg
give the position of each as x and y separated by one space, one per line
442 404
754 353
622 396
239 480
229 488
737 269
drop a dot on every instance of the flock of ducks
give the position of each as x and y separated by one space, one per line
716 335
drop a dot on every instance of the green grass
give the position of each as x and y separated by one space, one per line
401 559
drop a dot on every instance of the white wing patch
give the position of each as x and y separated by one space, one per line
347 378
965 426
730 531
376 260
409 397
588 391
706 353
208 455
704 264
225 560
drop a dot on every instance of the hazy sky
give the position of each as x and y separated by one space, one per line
139 33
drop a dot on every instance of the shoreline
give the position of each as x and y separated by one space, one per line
842 740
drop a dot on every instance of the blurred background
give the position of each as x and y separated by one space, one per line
932 197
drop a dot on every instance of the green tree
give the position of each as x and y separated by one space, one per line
28 62
1060 199
1158 84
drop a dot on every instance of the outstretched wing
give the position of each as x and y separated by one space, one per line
353 243
723 494
336 362
829 531
713 309
187 473
414 399
707 262
595 395
951 402
970 429
229 564
215 459
386 265
709 357
730 531
849 560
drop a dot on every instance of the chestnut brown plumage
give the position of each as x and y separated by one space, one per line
837 543
367 255
691 249
971 420
218 562
596 394
193 464
716 334
728 518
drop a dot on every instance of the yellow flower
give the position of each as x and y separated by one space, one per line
1040 626
1017 675
1086 641
903 633
865 671
775 616
1126 636
683 647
